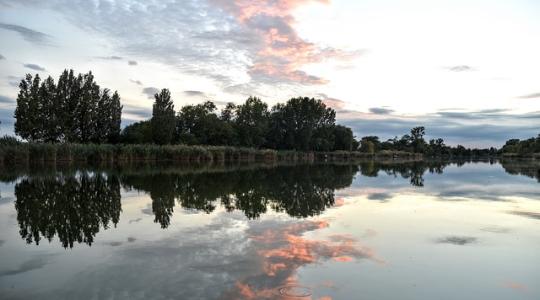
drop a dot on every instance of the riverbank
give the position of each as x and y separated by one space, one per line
30 153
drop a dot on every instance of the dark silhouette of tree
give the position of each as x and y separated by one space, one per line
251 122
74 110
199 124
27 111
292 125
74 207
163 120
137 133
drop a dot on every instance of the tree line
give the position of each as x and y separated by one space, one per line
522 147
415 142
77 110
304 124
74 110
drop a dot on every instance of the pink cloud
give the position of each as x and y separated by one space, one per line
282 52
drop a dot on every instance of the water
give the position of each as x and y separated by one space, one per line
371 231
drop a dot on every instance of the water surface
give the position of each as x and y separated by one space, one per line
376 230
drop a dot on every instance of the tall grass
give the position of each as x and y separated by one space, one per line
19 153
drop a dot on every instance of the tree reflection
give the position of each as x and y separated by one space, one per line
300 191
73 207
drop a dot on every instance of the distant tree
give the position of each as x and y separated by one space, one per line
417 139
163 120
370 144
137 133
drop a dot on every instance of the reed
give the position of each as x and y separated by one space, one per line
19 153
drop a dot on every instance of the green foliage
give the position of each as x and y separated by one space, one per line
293 125
137 133
522 147
74 110
163 121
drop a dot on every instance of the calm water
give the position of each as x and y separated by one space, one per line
368 231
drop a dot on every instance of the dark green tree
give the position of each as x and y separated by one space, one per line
137 133
292 125
27 123
163 121
251 122
199 124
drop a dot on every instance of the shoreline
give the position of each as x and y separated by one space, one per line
126 154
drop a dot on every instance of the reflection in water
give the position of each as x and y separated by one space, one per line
75 205
301 191
522 167
72 207
283 250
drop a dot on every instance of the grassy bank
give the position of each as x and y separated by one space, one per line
29 153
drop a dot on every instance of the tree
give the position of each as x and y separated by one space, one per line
115 119
199 124
137 133
48 115
75 110
86 110
251 122
293 124
26 112
417 139
343 138
163 120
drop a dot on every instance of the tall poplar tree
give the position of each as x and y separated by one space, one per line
163 120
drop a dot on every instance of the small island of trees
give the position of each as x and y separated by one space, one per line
76 118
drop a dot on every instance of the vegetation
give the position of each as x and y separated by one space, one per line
516 147
415 143
302 124
75 110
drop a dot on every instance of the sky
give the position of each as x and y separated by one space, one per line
469 71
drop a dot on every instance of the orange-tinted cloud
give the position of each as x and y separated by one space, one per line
515 286
282 52
284 250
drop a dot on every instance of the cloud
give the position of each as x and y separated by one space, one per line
530 96
482 128
137 82
457 240
28 34
383 197
2 57
380 111
281 52
334 103
34 67
113 57
228 258
230 42
150 92
195 93
527 214
132 63
460 68
6 100
138 112
32 264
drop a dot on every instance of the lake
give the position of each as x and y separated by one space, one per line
373 230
